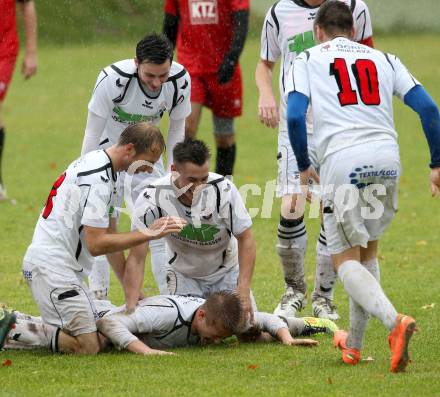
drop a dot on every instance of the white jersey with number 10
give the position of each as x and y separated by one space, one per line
350 87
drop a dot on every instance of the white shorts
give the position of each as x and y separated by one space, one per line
359 189
223 280
179 284
288 173
63 299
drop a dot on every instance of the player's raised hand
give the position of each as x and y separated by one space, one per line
268 111
435 181
165 226
29 67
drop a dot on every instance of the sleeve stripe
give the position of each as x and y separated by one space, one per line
388 59
352 5
100 81
120 72
365 23
275 18
177 76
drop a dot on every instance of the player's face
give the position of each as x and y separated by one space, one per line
212 334
153 75
314 3
191 176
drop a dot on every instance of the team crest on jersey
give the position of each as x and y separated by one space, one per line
203 12
325 47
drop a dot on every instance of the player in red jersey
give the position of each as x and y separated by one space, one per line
8 54
210 36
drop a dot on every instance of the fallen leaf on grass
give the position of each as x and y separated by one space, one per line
431 306
329 381
252 366
7 363
422 242
53 166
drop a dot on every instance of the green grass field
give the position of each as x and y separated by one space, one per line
45 119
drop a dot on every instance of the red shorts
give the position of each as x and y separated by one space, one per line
7 64
225 100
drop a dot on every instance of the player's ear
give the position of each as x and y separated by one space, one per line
136 61
173 168
352 33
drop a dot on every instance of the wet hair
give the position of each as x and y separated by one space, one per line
154 48
224 309
335 17
191 150
144 136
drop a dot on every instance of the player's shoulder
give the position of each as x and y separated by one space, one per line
177 71
94 167
149 197
124 69
186 304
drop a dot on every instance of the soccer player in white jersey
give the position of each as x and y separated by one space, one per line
351 87
132 90
215 251
287 31
168 321
75 226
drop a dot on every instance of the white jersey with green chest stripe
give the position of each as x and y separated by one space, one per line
207 243
288 31
121 98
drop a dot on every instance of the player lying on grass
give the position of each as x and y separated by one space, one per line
169 321
352 86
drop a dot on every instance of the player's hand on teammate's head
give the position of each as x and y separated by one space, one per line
268 111
164 226
435 181
29 67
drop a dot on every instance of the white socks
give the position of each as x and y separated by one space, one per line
358 316
366 292
325 275
27 335
99 279
291 248
159 266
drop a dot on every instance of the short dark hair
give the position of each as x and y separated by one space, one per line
334 17
224 309
191 150
154 48
144 136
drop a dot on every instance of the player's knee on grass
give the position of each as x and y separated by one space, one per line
88 343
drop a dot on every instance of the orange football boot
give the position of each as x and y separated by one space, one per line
398 340
349 355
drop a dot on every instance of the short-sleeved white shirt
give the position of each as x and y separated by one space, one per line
120 97
351 87
82 196
207 243
288 30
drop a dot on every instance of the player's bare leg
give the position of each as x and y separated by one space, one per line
291 249
365 290
193 120
224 132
